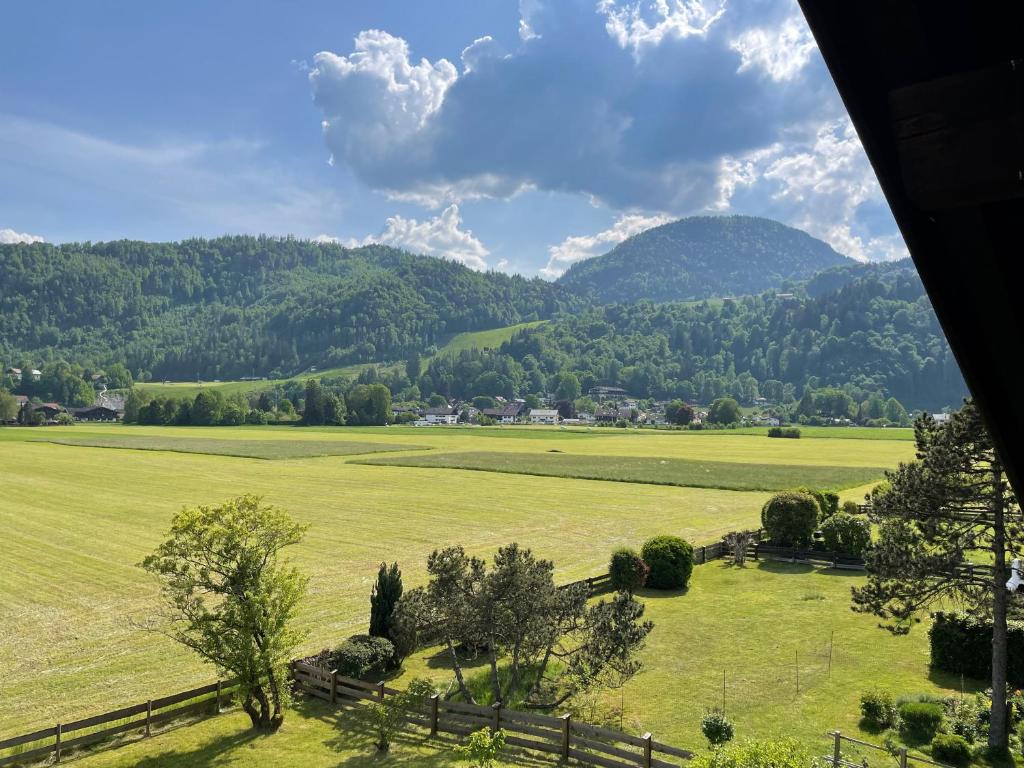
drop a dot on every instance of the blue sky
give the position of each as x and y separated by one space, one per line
521 136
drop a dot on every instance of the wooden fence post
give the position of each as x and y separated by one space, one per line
566 732
149 717
903 757
380 690
219 692
837 749
648 748
56 746
496 725
433 714
334 686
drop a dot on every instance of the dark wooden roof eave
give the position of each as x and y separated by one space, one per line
934 90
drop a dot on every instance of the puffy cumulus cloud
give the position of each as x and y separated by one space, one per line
781 51
631 103
819 180
580 247
637 24
441 236
9 237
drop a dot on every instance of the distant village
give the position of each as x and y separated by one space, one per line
107 406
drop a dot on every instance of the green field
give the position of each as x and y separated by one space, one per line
77 520
249 449
646 469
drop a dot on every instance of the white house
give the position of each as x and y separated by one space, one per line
940 418
442 415
543 416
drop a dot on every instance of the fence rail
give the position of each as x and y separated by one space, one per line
836 759
561 736
60 738
794 554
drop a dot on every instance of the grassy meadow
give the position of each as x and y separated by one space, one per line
79 516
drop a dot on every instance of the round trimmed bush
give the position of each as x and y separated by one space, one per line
790 518
950 748
920 721
362 654
847 534
670 560
717 728
628 570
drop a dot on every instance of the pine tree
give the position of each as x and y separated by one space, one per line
940 514
383 597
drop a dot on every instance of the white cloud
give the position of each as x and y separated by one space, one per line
440 236
9 236
820 181
480 52
580 247
636 25
781 51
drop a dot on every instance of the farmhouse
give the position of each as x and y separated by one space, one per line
602 392
50 411
442 415
14 373
507 414
95 413
543 416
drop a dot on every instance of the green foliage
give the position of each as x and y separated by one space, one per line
230 600
850 507
920 721
769 753
790 432
790 518
828 501
965 717
679 413
951 749
725 410
387 717
628 570
482 747
383 597
717 728
8 406
362 655
235 306
670 560
962 644
878 709
369 405
847 534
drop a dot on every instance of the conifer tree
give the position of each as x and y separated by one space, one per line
938 517
383 598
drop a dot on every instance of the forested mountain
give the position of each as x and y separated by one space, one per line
875 335
241 306
702 257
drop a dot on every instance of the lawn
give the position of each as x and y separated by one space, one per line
250 449
77 521
764 630
659 471
313 736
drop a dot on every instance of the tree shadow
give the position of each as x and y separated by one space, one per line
650 593
217 752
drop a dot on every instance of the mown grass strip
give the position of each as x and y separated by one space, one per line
248 449
732 476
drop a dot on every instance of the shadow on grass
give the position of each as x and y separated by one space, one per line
649 593
219 751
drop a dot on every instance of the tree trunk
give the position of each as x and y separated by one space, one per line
251 711
458 672
275 696
492 653
263 723
997 734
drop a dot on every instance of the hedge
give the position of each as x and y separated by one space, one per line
963 645
790 518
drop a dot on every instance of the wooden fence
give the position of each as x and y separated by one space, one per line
561 737
841 759
794 554
89 731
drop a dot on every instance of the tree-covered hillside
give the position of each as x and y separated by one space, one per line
242 306
702 257
873 336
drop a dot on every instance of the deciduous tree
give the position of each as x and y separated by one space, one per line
230 599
